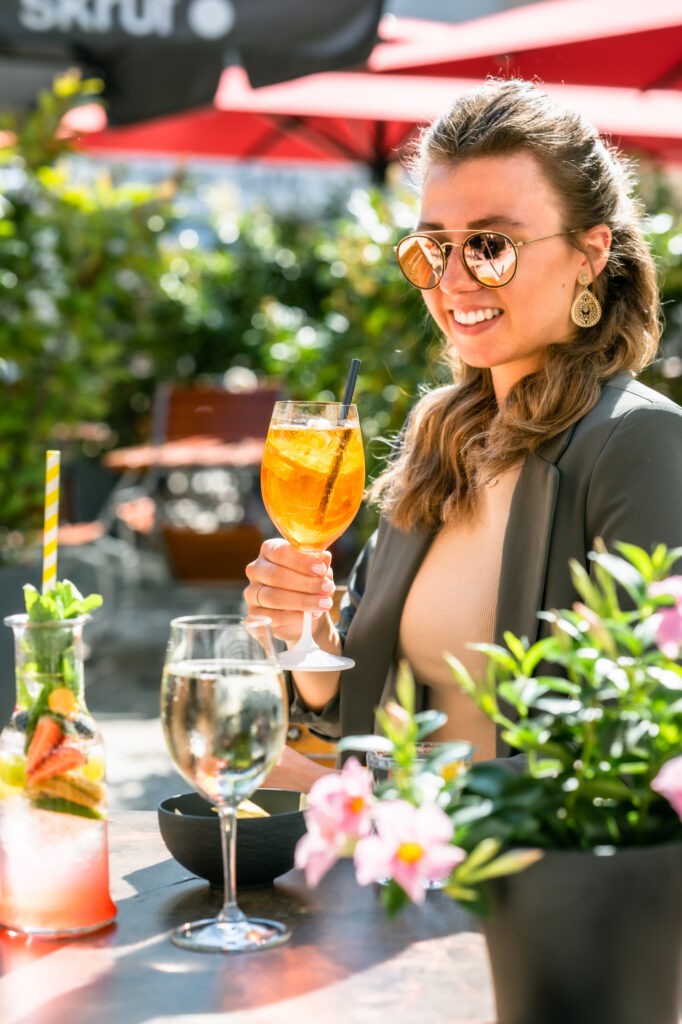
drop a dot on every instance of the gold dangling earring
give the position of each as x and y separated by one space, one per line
585 311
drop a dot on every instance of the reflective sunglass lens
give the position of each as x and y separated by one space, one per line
490 257
421 260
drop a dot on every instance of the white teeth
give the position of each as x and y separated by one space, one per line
475 316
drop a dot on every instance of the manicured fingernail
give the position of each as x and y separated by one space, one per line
327 587
325 602
319 567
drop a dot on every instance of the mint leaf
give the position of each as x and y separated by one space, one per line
64 601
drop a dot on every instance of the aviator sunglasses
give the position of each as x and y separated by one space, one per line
489 257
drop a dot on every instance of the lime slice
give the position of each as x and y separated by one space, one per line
13 771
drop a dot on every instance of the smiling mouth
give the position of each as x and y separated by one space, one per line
475 316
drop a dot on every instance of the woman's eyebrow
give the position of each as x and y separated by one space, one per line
482 223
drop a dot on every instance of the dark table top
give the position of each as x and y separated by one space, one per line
346 962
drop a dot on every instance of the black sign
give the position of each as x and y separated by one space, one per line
162 56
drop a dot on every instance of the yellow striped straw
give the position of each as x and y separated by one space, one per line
51 525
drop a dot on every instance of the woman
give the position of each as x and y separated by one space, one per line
532 262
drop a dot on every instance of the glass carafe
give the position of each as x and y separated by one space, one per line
54 868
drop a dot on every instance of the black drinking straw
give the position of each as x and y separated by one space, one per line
345 438
350 387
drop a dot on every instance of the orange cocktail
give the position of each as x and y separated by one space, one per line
312 480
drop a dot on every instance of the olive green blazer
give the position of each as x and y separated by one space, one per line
616 474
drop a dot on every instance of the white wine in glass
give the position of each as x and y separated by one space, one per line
223 712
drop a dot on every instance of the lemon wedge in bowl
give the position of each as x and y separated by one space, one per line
190 828
248 809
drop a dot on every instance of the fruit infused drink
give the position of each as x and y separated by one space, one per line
53 841
312 480
54 872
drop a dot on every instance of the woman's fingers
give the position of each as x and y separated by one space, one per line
280 552
284 582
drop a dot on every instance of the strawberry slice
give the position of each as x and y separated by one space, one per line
62 759
46 736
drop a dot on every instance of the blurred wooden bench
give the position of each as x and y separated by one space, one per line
195 428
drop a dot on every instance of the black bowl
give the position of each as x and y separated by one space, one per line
265 846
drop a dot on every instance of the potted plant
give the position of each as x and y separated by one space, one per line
572 852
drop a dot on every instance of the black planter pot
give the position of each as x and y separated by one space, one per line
582 938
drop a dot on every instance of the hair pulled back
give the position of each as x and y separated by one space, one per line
457 437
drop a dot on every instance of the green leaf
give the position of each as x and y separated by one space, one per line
640 559
462 893
460 674
515 645
668 678
604 789
428 721
614 568
394 898
480 855
497 655
507 864
582 582
404 687
558 707
541 650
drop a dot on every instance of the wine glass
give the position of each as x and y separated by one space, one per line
224 720
312 480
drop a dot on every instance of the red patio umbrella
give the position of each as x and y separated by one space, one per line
583 42
359 117
336 117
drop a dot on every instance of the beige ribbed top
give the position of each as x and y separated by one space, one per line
452 602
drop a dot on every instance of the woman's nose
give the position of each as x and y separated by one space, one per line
455 275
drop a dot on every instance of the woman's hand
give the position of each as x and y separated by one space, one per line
285 582
295 771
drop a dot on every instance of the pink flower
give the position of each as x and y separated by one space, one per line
668 783
315 855
669 620
341 801
398 716
411 845
338 814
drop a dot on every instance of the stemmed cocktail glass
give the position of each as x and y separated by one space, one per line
312 479
224 719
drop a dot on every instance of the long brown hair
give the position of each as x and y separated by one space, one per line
457 437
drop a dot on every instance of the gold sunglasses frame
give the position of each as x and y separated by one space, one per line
445 246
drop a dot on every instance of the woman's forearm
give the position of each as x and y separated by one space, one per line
316 689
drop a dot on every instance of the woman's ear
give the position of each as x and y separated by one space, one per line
597 243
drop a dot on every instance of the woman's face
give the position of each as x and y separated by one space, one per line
512 325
